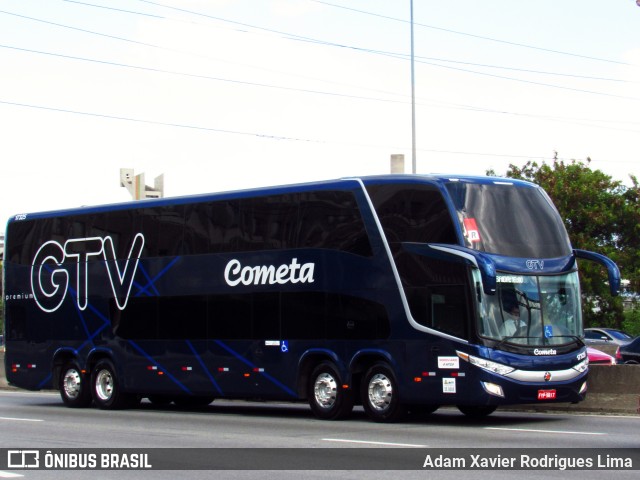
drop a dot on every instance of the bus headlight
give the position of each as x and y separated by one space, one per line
493 389
582 366
488 365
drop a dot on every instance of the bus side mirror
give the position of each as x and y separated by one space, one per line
458 254
612 269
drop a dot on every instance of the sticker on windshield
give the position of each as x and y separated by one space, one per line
548 331
509 279
472 232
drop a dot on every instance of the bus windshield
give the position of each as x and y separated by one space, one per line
502 219
530 310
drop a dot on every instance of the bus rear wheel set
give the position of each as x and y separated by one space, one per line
79 388
330 399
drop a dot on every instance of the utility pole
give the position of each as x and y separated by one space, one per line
413 101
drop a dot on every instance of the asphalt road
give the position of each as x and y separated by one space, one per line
40 421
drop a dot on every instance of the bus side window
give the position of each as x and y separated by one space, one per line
449 312
332 220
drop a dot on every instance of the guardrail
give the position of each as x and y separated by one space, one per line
613 389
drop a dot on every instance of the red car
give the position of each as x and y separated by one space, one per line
596 357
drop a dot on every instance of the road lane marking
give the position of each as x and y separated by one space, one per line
386 444
15 419
532 430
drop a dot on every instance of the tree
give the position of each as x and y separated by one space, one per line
601 215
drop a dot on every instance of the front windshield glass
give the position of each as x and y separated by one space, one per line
532 310
509 219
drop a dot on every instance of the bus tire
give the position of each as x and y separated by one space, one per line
74 386
106 390
477 411
327 399
380 396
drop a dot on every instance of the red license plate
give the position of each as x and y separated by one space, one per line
546 394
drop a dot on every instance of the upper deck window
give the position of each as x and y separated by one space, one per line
412 213
510 220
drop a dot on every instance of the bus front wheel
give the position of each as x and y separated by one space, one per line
106 390
327 397
380 396
74 386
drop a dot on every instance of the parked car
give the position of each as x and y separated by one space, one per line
629 353
606 336
596 357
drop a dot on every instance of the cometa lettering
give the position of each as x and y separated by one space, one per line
294 272
545 351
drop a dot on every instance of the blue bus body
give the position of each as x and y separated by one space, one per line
394 292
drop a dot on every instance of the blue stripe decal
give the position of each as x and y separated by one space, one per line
90 339
148 278
46 381
143 289
264 374
82 320
146 355
204 367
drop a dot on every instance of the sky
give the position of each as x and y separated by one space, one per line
220 95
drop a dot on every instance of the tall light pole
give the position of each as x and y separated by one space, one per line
413 101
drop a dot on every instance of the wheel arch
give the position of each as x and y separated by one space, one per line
363 360
308 361
98 354
61 357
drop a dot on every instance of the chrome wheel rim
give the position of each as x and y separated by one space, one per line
72 383
104 385
380 392
325 390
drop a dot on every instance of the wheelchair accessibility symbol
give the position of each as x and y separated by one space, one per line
284 346
548 331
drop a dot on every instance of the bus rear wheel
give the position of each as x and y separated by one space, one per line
74 386
327 398
106 390
380 397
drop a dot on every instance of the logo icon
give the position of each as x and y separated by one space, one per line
535 264
23 459
547 376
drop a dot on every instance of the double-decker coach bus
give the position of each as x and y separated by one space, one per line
398 293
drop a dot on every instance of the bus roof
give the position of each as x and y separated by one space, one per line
341 184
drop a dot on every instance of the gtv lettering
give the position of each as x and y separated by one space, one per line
50 276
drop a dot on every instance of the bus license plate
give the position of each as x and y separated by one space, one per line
546 394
